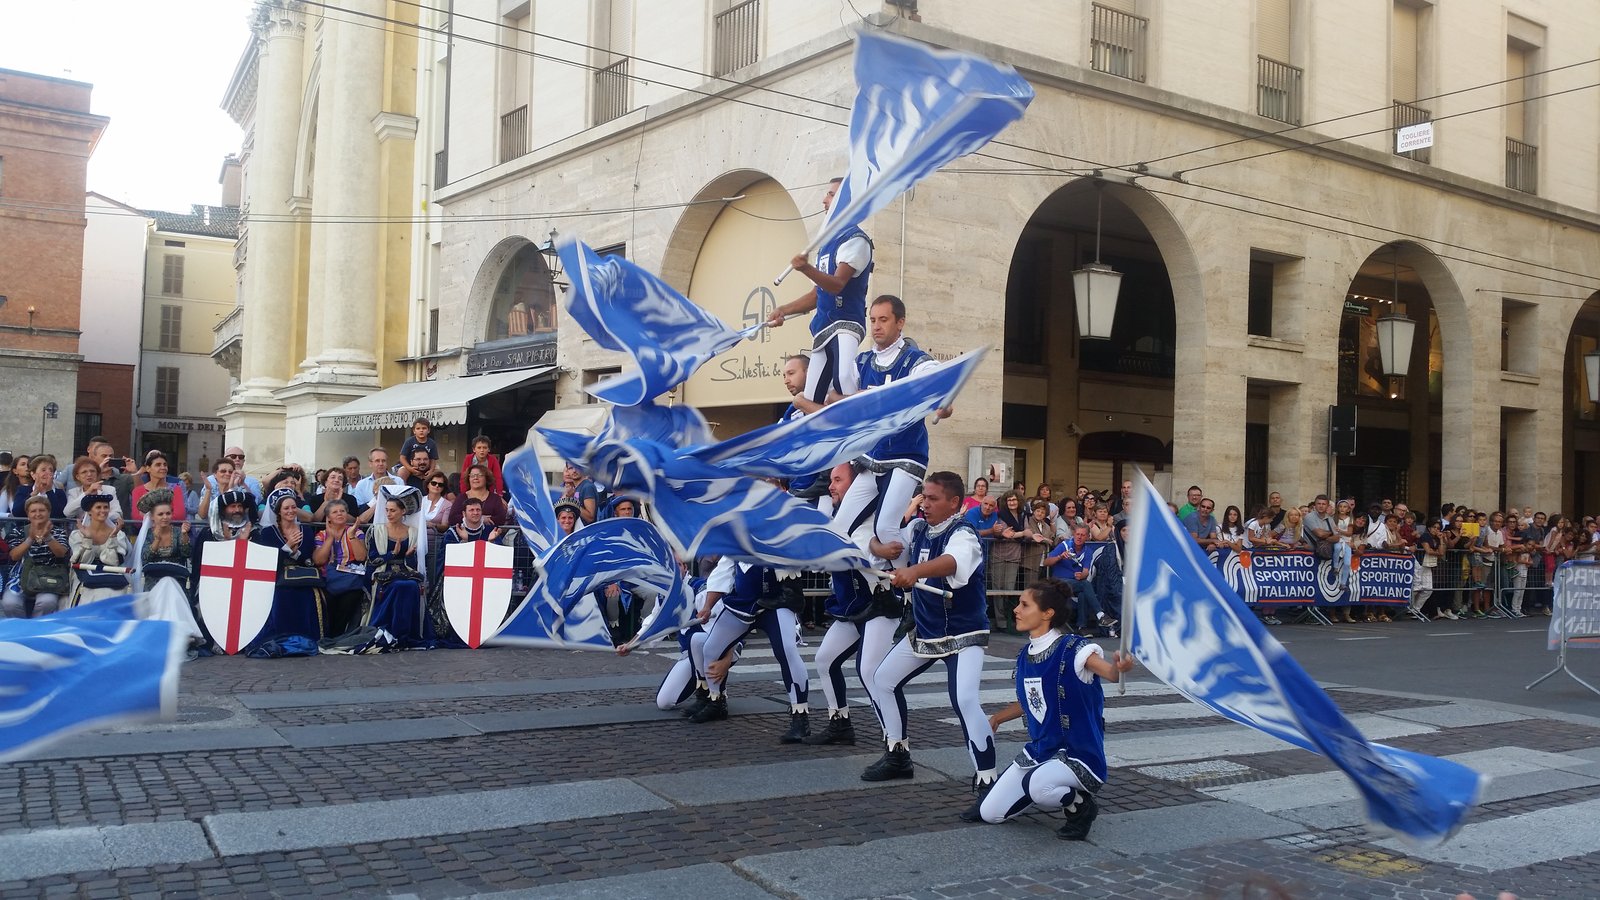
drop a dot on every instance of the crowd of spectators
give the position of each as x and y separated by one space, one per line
1469 563
79 535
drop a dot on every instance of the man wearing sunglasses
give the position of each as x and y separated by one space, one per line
236 456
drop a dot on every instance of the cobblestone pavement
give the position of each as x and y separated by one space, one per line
454 773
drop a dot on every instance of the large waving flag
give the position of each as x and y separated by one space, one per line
625 308
844 430
530 498
82 668
1196 635
916 109
704 509
561 610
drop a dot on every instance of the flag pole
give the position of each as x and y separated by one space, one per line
1128 618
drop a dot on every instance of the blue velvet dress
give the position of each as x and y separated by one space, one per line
397 600
296 610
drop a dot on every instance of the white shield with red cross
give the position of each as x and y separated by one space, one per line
236 580
477 589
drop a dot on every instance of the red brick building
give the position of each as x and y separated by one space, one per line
47 135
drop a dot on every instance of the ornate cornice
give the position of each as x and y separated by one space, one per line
278 18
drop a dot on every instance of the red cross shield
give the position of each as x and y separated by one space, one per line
236 580
477 589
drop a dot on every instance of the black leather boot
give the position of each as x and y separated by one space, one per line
799 728
894 764
839 731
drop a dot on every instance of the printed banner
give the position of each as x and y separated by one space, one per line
1577 605
1297 577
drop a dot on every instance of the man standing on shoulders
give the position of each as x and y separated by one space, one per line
899 461
839 297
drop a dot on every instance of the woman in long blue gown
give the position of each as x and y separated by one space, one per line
393 547
297 609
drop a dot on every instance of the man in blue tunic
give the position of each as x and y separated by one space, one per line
898 462
839 298
950 623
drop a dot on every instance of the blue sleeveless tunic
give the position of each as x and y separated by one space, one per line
1065 717
848 308
941 626
910 444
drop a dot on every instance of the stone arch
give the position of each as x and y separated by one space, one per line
475 324
1133 384
305 152
1403 276
1580 413
1177 251
683 245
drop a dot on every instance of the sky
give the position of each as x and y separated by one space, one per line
159 69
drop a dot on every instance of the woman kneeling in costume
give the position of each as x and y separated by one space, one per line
1058 684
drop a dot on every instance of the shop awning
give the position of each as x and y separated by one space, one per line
587 419
442 402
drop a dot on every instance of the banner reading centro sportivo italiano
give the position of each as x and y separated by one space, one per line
1298 577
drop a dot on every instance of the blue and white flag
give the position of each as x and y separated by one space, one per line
844 430
625 308
530 498
704 509
916 109
83 668
562 609
1194 633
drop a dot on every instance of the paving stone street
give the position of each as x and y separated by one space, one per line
539 773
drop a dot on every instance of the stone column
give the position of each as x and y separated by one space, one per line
348 188
318 182
1471 426
269 273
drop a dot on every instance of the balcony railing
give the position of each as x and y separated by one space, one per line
738 37
441 169
1522 166
1406 114
514 133
611 91
1278 90
1116 46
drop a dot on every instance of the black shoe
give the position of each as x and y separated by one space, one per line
715 710
894 764
974 813
799 728
839 731
1081 811
697 703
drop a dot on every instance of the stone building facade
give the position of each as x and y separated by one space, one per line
189 287
47 135
1243 163
325 315
1235 161
113 298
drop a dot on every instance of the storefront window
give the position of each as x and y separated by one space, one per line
524 300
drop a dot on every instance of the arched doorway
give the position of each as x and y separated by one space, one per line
1398 447
510 324
1580 433
723 256
1084 411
